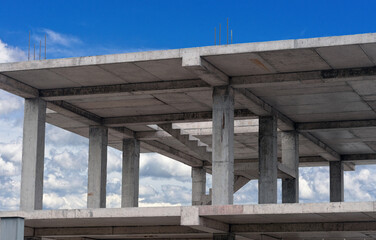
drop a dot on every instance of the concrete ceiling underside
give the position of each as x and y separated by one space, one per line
326 87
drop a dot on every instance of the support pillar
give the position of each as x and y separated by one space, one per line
267 191
130 173
97 168
223 145
290 158
12 228
31 197
198 185
336 181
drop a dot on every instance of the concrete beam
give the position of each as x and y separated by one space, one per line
261 108
198 185
97 167
18 88
193 62
125 89
223 145
190 217
130 173
239 182
290 158
346 74
12 228
189 141
132 232
74 112
172 117
31 197
86 117
358 157
171 152
267 190
325 151
335 125
326 227
223 236
336 182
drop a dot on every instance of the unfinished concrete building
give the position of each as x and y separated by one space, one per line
238 112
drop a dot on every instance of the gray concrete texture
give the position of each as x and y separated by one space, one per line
130 173
223 146
97 167
160 101
33 154
287 221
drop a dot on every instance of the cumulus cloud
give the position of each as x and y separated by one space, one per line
10 53
54 201
9 103
159 166
60 137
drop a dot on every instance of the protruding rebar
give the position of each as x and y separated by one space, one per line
219 34
40 49
28 52
231 36
34 51
45 46
227 30
215 36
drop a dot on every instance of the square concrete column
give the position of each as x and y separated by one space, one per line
223 145
130 173
290 158
267 191
11 228
97 168
198 185
336 181
31 197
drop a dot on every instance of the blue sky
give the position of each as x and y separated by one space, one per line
82 28
121 26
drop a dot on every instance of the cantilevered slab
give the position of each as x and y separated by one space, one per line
305 82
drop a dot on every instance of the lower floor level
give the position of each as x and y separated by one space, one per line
342 220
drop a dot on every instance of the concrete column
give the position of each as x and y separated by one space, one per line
336 181
267 191
223 145
33 155
223 236
198 185
11 228
97 168
130 173
290 158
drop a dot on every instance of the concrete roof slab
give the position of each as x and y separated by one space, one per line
170 69
345 56
130 72
42 79
294 60
89 75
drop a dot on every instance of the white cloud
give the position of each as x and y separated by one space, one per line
10 54
159 166
9 102
54 201
60 39
7 168
305 191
